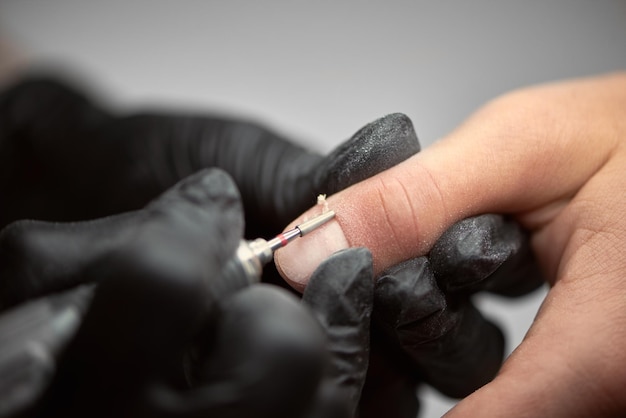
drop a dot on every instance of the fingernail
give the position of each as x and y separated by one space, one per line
297 261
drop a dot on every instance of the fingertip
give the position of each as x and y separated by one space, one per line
297 261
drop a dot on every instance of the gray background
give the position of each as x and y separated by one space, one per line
318 71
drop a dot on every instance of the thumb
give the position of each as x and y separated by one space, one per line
513 156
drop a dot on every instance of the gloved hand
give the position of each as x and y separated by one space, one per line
125 161
157 339
426 328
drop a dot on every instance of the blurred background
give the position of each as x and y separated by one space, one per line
318 71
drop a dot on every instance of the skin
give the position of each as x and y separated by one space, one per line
10 61
552 156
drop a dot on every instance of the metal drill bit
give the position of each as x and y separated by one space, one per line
264 250
304 228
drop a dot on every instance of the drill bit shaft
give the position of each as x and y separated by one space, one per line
304 228
264 250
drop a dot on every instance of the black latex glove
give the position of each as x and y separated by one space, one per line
425 325
86 163
63 157
156 342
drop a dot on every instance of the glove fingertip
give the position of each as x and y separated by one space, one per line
376 147
406 294
347 276
340 293
205 206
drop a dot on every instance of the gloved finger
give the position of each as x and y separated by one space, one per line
37 257
454 348
151 298
391 384
486 252
264 358
340 296
31 336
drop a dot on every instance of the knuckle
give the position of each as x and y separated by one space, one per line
21 241
20 261
398 214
